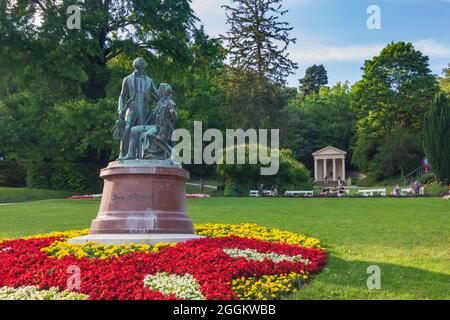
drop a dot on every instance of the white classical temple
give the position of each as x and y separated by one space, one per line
329 162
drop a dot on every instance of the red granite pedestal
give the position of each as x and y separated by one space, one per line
142 202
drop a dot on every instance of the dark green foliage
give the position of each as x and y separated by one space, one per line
12 174
427 178
80 131
242 178
396 91
39 175
63 63
316 121
21 117
401 151
437 137
315 78
76 177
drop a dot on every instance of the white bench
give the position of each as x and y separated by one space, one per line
410 191
299 193
255 193
372 192
406 192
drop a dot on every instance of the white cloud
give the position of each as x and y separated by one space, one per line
360 52
433 48
322 53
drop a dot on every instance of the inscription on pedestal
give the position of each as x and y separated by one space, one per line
130 197
144 199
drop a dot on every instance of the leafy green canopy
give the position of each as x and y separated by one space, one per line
320 119
396 91
59 87
40 53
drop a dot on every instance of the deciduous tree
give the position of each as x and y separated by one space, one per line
396 91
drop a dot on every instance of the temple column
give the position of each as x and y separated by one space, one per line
316 170
324 169
334 170
343 169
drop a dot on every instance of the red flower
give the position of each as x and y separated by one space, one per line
22 264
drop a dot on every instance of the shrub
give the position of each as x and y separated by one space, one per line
427 178
75 177
12 174
241 178
436 189
39 175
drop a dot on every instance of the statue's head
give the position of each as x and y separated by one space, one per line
139 64
165 91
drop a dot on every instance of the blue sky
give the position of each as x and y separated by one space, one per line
335 33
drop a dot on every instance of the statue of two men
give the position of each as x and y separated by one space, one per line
144 134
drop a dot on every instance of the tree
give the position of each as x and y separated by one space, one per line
257 43
444 81
242 178
396 91
437 137
254 36
401 151
38 48
315 78
318 120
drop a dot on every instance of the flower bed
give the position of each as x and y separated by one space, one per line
233 262
98 196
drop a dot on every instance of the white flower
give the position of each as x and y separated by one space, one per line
184 287
252 254
33 293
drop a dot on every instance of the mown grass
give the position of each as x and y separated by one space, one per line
9 195
407 238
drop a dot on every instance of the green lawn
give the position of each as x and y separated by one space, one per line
8 195
11 195
407 238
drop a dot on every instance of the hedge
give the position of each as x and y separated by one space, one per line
12 174
76 177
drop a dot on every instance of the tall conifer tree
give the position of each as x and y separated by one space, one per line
437 137
257 40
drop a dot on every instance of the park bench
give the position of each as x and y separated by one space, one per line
372 192
303 193
409 191
255 193
406 191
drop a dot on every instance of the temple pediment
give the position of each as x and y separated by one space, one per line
329 150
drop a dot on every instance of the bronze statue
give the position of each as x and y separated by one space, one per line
144 134
157 144
134 103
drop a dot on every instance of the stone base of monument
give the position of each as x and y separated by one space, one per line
142 202
117 239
